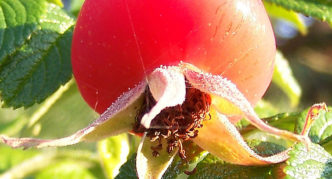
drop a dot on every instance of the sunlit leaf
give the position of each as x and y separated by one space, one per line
13 127
75 6
36 58
321 128
288 15
265 109
67 111
320 9
312 162
57 2
212 167
283 77
113 152
128 170
65 170
13 157
48 160
180 168
265 148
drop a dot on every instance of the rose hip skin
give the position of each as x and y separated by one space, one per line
117 43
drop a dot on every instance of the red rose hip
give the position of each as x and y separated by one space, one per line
117 43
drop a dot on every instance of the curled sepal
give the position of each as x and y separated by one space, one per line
118 118
312 115
224 94
150 166
221 138
168 88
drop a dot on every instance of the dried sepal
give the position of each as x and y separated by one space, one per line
167 86
223 90
221 138
118 118
312 115
152 164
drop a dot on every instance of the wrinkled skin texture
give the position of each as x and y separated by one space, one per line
117 43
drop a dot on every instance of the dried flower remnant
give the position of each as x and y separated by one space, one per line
175 124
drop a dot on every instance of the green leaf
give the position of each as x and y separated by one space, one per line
57 2
128 170
36 58
194 155
13 127
44 107
319 9
265 109
49 163
212 167
114 152
18 20
312 163
13 157
66 170
264 148
321 128
283 77
68 114
288 15
75 6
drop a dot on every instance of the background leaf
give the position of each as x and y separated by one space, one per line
320 9
194 155
212 167
67 115
128 170
57 2
265 109
312 163
288 15
13 157
75 6
66 169
55 164
283 77
321 128
113 153
36 58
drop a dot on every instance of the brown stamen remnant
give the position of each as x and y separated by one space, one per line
190 172
175 124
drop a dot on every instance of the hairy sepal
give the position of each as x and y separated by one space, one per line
149 166
168 88
228 100
118 118
221 138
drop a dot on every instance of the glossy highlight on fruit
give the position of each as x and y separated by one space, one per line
117 43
